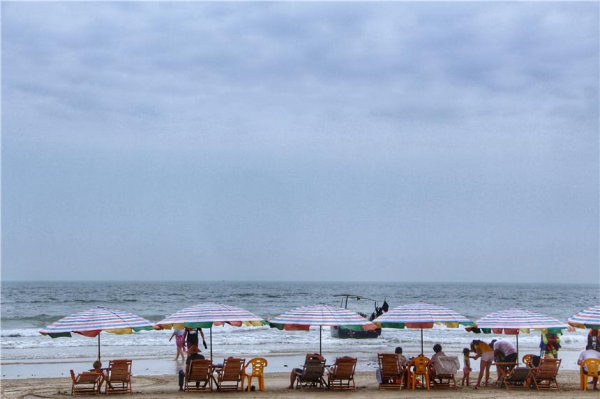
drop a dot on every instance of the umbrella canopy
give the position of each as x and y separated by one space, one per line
91 322
320 315
514 320
421 315
208 314
589 318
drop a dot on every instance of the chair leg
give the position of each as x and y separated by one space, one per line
261 383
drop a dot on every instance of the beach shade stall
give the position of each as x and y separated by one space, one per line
515 321
207 315
588 318
302 318
421 316
91 323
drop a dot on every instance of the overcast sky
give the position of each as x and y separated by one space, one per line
303 141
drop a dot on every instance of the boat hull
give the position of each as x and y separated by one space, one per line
345 333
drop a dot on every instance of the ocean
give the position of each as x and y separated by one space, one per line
29 306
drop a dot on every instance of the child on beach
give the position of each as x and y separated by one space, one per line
180 342
467 366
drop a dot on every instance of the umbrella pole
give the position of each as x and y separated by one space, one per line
517 348
211 343
98 346
320 344
421 341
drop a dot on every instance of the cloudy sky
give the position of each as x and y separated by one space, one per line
300 141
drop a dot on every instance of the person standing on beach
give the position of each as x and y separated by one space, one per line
180 342
486 353
191 337
504 352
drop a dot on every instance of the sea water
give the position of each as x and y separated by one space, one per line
27 307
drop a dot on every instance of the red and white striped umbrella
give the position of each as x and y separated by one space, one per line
512 320
320 315
588 318
91 322
206 315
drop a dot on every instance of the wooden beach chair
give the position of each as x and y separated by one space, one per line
420 366
312 373
445 369
118 378
588 369
341 374
258 365
199 375
392 371
229 378
544 376
86 383
519 377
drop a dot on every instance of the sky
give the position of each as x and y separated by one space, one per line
437 142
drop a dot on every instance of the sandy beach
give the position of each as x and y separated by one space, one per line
165 386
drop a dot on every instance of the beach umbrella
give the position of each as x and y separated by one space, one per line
206 315
421 315
91 323
588 318
514 321
302 318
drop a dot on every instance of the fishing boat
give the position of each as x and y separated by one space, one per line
343 333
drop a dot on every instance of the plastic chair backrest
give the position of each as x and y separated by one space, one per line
592 366
446 365
389 364
421 362
258 366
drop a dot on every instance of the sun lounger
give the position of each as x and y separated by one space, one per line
544 376
391 371
312 373
199 375
341 374
518 377
86 383
445 368
229 378
118 379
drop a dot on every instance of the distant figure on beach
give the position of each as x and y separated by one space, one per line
193 354
180 342
504 352
550 344
594 339
467 366
191 337
589 353
298 371
437 352
486 353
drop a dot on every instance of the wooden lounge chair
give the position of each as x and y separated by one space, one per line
258 365
392 371
445 368
341 374
199 375
544 376
229 378
588 369
118 378
519 377
312 373
86 383
420 366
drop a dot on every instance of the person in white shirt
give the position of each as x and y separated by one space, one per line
589 353
504 352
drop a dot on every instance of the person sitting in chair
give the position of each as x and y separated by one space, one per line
193 354
589 353
437 349
298 371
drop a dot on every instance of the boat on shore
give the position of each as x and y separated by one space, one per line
345 333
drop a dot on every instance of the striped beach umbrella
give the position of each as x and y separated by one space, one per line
207 315
91 323
304 317
588 318
421 315
515 321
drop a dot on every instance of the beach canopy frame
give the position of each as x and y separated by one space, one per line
91 323
302 318
422 316
207 315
